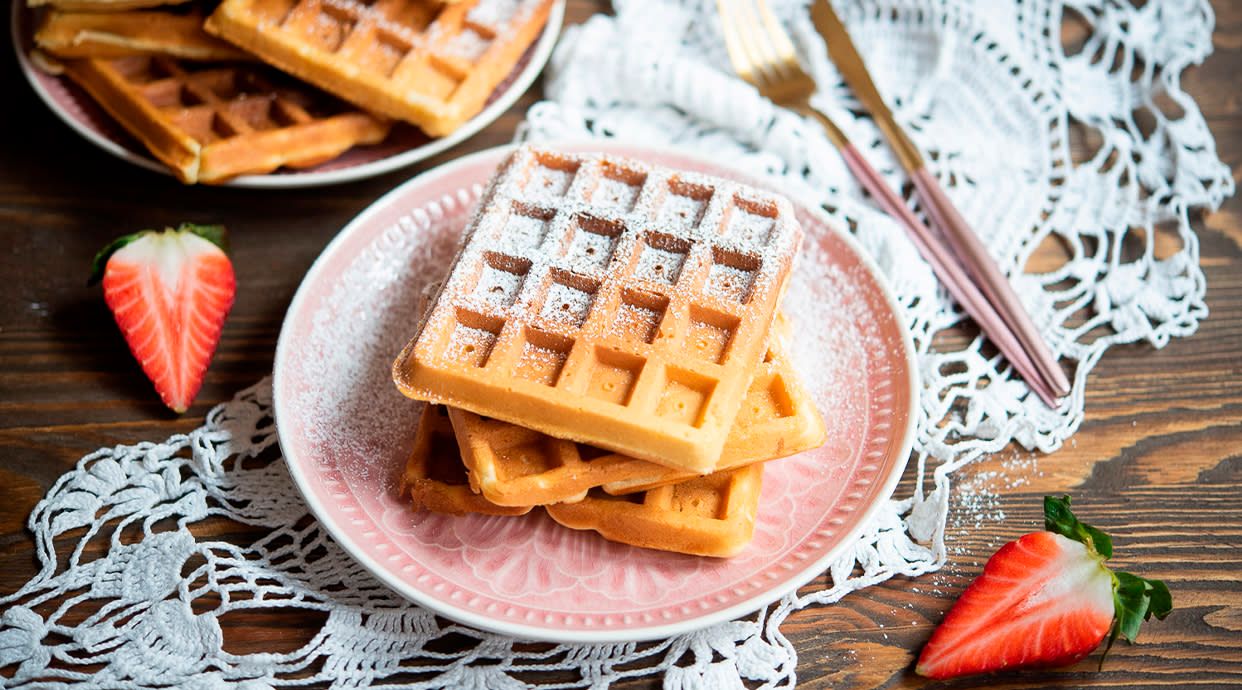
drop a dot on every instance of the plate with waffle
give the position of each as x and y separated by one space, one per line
593 392
328 91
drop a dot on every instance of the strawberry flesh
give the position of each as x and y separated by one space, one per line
1043 600
170 293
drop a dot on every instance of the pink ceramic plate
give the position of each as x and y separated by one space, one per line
404 146
346 432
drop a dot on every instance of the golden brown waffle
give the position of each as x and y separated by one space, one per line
118 34
705 516
608 302
434 475
102 5
514 466
210 123
425 62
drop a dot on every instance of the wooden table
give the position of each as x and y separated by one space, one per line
1158 462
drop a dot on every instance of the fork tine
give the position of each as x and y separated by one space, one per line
732 42
760 48
778 39
761 51
730 26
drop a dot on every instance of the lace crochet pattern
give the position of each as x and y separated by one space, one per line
987 91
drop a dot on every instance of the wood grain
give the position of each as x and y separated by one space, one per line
1158 461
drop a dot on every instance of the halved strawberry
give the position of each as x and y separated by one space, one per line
1046 599
169 292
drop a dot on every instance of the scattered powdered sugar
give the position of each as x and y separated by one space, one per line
978 496
835 334
598 205
347 401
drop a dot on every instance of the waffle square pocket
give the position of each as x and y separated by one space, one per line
608 302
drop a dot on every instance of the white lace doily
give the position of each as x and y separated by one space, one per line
984 88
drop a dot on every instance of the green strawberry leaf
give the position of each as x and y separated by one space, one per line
100 262
215 234
1141 599
1131 600
1060 519
1161 600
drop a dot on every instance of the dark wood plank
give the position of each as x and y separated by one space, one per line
1158 461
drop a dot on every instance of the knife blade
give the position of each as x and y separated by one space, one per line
845 56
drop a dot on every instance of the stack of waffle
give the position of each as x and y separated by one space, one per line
607 346
195 89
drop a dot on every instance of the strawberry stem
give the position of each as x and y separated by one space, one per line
1060 519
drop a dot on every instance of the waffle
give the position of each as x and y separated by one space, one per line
102 5
118 34
431 64
434 475
514 466
608 302
706 516
213 122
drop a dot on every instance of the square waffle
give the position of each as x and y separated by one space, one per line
118 34
434 475
608 302
212 122
706 516
428 63
514 466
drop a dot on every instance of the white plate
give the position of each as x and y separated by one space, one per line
404 146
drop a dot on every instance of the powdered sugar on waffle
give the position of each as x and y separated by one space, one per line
747 236
468 45
494 14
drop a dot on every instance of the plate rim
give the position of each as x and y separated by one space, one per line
636 634
539 59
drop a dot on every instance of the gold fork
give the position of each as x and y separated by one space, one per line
763 55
